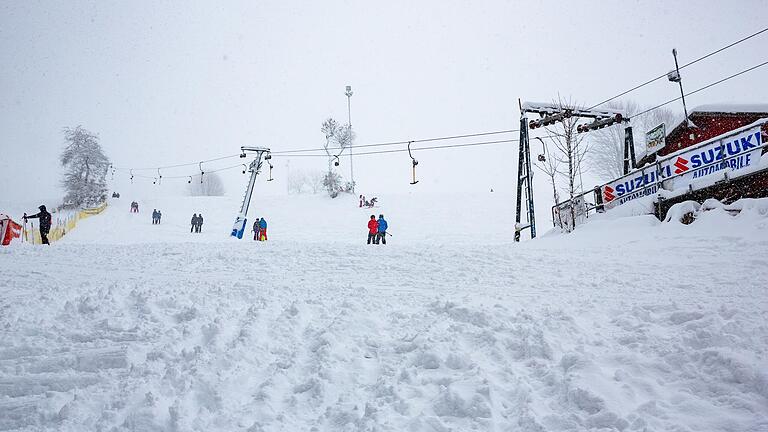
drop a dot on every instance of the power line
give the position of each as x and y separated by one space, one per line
681 67
703 88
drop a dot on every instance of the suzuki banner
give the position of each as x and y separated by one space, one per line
736 153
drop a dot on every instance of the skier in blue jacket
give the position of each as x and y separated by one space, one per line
263 229
382 230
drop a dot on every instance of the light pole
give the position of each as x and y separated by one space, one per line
674 76
349 118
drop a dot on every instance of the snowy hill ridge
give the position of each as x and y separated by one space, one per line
627 324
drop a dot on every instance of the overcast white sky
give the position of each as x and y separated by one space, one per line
164 82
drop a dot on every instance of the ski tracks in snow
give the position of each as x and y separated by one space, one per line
252 337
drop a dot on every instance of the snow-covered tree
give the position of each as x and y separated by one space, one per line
86 167
337 138
211 185
606 159
333 183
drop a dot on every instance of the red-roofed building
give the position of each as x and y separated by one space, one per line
709 121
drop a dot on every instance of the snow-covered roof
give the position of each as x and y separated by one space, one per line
720 108
731 108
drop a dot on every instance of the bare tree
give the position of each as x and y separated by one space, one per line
86 168
206 185
606 158
315 180
550 166
569 145
296 181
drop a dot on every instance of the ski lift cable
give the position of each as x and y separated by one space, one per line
391 143
412 149
179 165
704 88
483 143
664 75
382 144
188 176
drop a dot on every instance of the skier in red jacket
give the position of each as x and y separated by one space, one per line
373 229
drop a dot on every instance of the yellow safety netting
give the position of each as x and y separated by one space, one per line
61 226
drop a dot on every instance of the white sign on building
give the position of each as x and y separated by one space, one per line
655 139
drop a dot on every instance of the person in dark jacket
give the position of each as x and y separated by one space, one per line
159 215
154 216
256 230
382 230
373 229
199 223
45 223
263 229
193 222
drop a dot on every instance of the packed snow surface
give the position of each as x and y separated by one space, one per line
628 324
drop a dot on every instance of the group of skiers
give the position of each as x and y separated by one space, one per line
197 223
260 229
365 203
134 207
377 230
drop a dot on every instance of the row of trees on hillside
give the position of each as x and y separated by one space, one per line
306 181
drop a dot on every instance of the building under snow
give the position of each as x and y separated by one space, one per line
706 122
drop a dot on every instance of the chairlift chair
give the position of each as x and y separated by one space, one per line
414 162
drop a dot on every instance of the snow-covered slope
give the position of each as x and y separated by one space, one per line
482 218
627 324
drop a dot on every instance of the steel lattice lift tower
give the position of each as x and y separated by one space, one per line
524 181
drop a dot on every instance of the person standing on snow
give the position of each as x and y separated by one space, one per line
159 215
193 222
263 229
45 223
382 230
154 217
199 223
256 230
373 229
